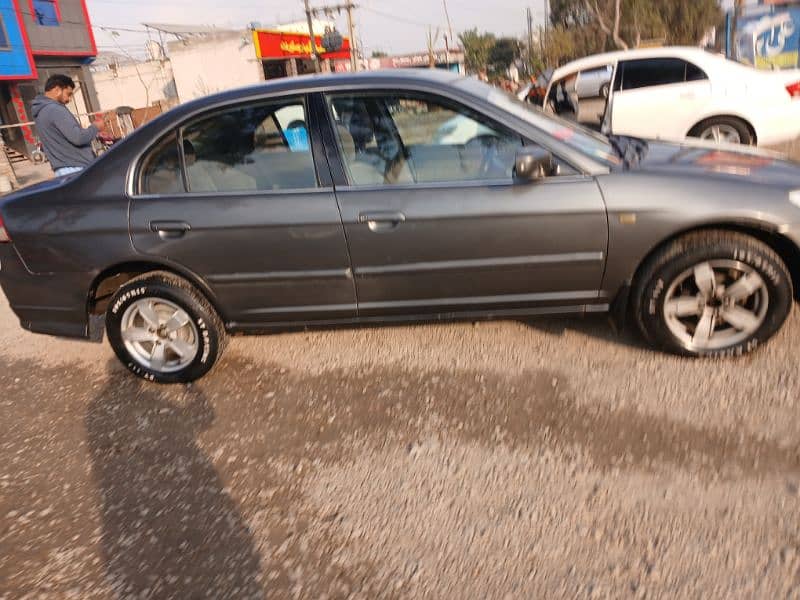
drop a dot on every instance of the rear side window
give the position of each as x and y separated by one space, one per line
161 169
651 72
257 147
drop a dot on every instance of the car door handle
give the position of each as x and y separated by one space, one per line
382 221
169 230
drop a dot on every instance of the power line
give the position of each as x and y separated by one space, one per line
395 17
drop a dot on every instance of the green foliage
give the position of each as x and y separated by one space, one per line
477 47
504 51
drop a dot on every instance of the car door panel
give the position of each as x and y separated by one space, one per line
265 257
268 255
658 98
662 112
461 247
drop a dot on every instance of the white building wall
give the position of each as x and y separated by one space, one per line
214 64
121 85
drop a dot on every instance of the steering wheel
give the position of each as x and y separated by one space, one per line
488 145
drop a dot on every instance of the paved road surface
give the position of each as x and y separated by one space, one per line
504 460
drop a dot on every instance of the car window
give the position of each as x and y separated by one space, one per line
694 73
256 147
161 168
397 138
652 72
575 136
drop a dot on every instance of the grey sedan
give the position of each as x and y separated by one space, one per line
333 200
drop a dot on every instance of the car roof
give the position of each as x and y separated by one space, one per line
303 83
599 60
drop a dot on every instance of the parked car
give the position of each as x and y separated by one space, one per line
673 93
211 220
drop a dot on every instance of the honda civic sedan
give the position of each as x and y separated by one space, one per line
335 200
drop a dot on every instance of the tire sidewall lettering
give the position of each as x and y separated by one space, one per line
653 302
205 354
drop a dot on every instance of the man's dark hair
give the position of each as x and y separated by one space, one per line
62 81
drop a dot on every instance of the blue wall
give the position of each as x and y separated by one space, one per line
14 62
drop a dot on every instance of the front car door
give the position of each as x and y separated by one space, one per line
234 196
658 98
435 223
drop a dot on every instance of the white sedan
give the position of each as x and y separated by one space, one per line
675 92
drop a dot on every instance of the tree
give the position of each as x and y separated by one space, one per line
502 54
378 54
476 49
686 22
600 25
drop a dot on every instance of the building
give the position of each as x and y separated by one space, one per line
450 60
285 51
39 38
214 62
121 81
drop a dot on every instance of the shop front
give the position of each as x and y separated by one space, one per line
286 54
450 60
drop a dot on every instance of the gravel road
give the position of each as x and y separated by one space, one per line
490 460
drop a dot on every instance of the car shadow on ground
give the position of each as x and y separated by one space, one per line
601 327
170 528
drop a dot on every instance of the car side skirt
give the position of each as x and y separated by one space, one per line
482 315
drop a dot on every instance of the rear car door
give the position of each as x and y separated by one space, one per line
658 98
435 224
236 197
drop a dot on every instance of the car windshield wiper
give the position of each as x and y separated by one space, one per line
631 150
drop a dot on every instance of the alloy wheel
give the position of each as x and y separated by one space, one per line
716 304
159 335
721 133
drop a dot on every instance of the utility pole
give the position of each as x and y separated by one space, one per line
327 10
314 50
546 20
353 61
530 41
449 38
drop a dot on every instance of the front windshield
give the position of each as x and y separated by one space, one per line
575 136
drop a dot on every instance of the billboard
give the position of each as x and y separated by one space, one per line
769 37
282 45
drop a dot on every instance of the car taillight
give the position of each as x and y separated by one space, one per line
794 90
4 237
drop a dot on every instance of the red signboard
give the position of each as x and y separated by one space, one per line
278 45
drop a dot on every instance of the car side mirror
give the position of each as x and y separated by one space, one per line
534 164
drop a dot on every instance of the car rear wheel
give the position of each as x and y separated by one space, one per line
723 130
163 330
712 293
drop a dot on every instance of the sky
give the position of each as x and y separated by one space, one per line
394 26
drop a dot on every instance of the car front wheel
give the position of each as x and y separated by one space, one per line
712 293
163 330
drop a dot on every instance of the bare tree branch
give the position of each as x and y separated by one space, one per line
617 39
594 9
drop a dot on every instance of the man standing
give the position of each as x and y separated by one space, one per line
67 145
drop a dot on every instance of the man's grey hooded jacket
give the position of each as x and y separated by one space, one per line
66 143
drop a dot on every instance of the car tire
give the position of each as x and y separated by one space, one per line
725 319
716 128
163 315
